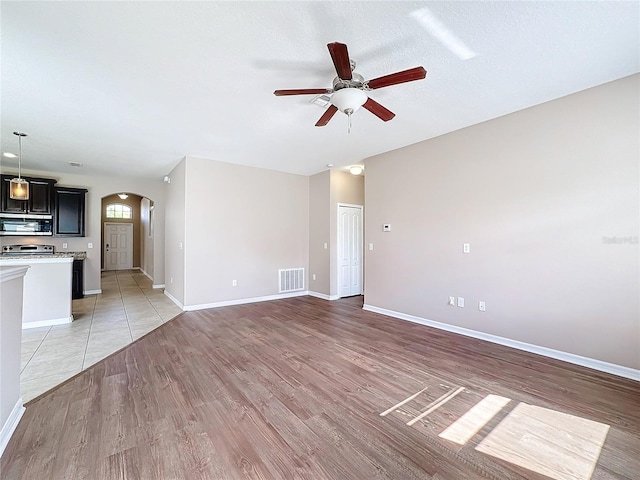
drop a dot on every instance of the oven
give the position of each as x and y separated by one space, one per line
9 250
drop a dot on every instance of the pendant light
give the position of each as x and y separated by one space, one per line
19 187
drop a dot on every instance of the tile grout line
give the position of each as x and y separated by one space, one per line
34 352
124 307
86 346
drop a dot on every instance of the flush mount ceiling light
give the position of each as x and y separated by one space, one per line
356 170
10 155
123 196
19 187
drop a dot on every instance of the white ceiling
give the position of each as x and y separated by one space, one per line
129 88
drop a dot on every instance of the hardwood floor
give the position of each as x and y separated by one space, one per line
295 389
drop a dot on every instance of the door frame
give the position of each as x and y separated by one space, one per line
104 243
338 248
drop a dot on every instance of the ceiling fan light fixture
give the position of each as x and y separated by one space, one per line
349 99
19 187
356 170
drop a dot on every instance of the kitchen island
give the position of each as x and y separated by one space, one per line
47 288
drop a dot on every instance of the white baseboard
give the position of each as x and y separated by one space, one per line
10 425
47 323
146 274
161 285
174 300
324 296
92 292
599 365
242 301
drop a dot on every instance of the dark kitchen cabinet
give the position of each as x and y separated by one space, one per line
40 196
68 217
77 279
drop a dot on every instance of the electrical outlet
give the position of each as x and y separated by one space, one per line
234 283
65 245
371 247
466 248
452 301
481 306
461 302
326 245
90 245
314 276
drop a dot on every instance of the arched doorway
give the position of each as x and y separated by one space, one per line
127 232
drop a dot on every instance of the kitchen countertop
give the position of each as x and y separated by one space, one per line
74 255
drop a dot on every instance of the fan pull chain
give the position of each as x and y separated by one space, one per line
348 111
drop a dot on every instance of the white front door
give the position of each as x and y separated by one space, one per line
349 250
118 246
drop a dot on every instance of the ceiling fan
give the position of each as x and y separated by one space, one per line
349 88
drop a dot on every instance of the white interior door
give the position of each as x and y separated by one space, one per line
349 250
118 246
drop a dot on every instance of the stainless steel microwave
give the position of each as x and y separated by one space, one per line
18 224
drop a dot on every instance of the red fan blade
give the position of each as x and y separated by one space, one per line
340 58
301 91
417 73
324 119
378 110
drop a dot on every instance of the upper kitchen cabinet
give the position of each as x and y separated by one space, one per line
69 212
40 196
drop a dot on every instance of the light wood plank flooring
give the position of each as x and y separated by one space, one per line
309 389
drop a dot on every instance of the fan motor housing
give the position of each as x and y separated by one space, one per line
357 81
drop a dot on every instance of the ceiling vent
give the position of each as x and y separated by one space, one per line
75 164
321 100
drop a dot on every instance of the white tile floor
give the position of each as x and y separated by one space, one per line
127 309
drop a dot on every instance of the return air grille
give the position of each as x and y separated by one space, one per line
291 279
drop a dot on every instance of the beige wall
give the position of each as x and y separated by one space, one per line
100 186
146 237
132 201
242 223
175 222
319 233
538 194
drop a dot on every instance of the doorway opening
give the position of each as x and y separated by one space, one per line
127 233
350 250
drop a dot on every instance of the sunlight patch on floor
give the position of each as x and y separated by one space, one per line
555 444
477 417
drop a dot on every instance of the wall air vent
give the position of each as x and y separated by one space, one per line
291 279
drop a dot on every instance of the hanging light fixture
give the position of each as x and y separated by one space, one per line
19 187
123 196
348 101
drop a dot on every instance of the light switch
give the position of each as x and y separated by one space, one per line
466 248
461 302
90 245
371 246
65 245
325 245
